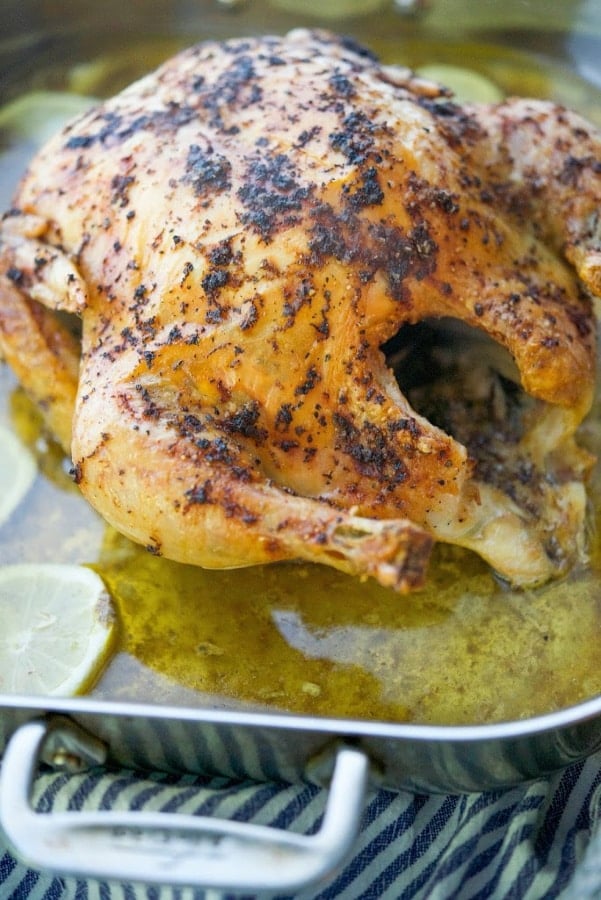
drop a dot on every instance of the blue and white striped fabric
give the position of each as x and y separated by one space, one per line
529 842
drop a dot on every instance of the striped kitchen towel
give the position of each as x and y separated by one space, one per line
533 841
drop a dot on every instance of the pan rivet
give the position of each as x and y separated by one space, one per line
63 759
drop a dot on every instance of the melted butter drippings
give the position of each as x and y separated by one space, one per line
307 639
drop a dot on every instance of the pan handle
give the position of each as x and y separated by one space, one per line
169 848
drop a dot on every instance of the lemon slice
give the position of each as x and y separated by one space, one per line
57 628
17 472
37 116
466 84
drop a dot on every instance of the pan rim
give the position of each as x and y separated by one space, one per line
557 720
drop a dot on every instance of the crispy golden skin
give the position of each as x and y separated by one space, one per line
241 232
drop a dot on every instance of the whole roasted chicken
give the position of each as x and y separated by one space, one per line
326 312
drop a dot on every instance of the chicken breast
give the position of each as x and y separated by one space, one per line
327 313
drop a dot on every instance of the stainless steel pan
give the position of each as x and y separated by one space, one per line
342 752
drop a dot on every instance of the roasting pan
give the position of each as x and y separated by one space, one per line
167 730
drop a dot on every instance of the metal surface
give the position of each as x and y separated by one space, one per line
261 745
266 746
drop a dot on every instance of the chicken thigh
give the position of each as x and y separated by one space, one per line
326 312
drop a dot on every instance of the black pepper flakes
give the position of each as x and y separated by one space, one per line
187 271
207 171
312 378
214 281
271 194
15 275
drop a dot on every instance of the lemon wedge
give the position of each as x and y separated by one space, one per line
17 472
57 628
